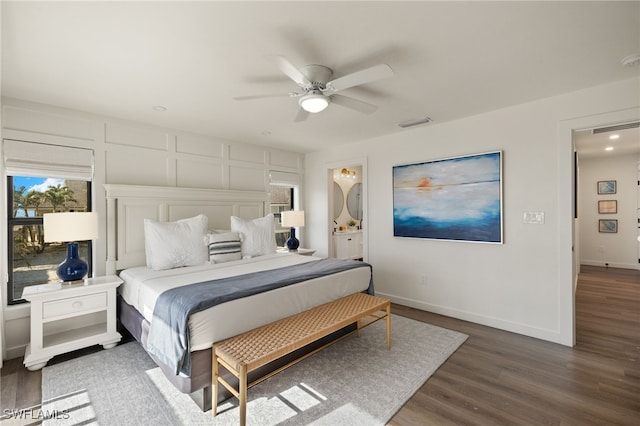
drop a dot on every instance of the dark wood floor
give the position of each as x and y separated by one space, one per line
502 378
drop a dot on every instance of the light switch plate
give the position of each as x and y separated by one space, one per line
536 218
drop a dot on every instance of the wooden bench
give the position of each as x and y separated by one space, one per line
246 352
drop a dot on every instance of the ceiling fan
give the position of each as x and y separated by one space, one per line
318 90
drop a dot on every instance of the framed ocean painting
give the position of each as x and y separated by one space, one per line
456 198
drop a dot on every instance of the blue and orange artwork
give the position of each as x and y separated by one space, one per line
451 199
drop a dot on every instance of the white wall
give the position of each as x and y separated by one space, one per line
131 153
619 250
523 285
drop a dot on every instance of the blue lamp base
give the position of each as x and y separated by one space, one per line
72 268
293 243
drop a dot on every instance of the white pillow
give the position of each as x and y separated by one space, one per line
223 246
171 245
258 235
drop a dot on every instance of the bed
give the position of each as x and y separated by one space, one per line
131 208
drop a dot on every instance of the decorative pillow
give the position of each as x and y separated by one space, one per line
223 247
218 231
258 235
171 245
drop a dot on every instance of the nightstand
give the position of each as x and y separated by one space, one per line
301 251
67 317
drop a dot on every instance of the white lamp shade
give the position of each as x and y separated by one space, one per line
70 226
314 102
293 218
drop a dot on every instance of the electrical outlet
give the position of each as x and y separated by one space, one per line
423 279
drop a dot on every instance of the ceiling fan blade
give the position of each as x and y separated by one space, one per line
367 75
289 69
301 115
354 104
271 95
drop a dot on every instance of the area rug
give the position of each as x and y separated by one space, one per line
354 382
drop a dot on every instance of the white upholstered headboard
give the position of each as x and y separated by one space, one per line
129 205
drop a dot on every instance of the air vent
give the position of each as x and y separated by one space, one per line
616 128
414 122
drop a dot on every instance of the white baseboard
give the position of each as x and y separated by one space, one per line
15 352
519 328
610 264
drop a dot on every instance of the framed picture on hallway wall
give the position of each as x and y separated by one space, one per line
607 206
457 198
608 226
607 187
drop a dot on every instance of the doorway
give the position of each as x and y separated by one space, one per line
608 192
609 201
568 236
347 213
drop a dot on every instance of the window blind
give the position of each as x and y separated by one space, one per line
284 178
43 160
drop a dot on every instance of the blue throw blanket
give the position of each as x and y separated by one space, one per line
168 338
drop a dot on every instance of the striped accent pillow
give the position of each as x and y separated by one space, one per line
224 247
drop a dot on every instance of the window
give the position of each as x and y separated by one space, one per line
285 195
31 261
41 178
281 200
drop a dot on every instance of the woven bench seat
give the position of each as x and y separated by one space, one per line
246 352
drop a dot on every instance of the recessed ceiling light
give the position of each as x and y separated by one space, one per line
609 148
265 133
631 60
613 137
159 108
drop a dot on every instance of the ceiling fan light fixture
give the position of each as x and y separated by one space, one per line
314 102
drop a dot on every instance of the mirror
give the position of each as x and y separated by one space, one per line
354 201
338 200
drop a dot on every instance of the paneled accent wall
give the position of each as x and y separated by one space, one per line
133 153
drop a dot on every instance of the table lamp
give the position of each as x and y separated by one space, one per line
293 219
71 227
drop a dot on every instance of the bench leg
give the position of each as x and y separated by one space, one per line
243 394
214 385
389 326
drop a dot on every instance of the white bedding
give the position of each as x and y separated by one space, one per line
142 286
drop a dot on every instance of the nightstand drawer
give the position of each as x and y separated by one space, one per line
74 305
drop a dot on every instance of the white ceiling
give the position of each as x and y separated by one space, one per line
614 142
451 60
